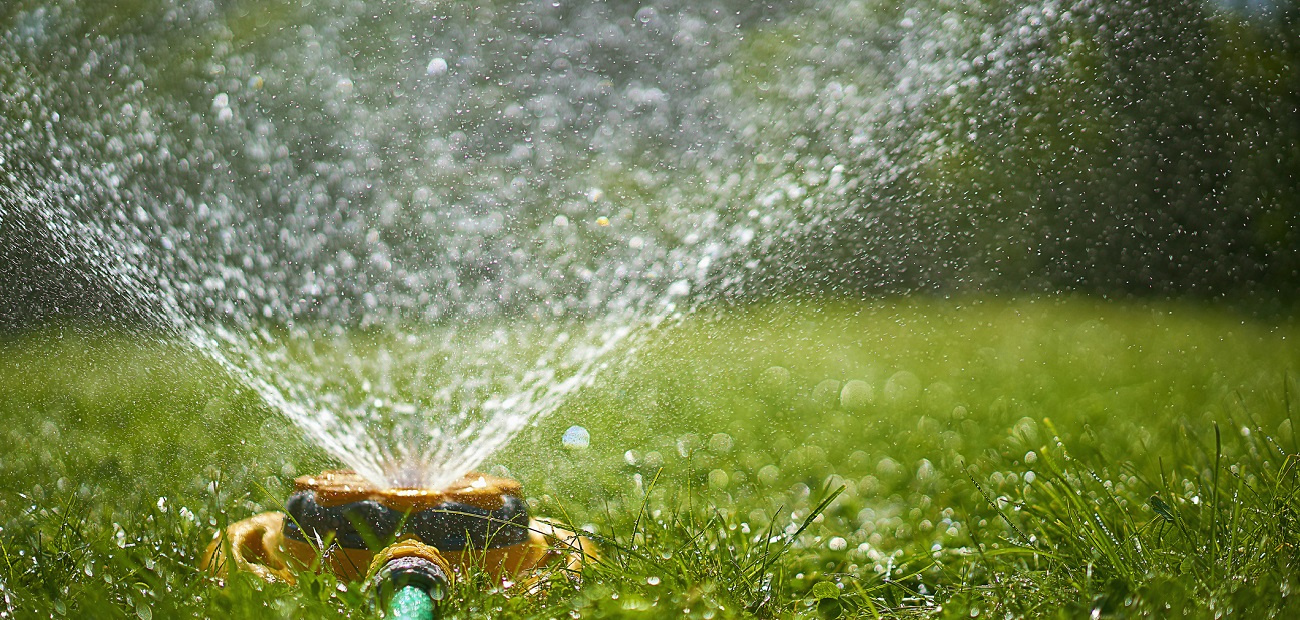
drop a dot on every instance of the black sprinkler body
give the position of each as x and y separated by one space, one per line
448 526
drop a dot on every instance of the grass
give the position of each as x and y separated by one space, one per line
1012 458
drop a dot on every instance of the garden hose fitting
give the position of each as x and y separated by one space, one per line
409 579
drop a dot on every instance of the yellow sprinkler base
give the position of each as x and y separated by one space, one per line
482 523
254 545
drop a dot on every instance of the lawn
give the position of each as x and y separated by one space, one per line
912 457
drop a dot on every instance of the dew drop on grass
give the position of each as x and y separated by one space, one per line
925 470
652 580
837 544
142 610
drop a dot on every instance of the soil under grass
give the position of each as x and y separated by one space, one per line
984 458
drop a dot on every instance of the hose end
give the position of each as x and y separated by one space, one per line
409 564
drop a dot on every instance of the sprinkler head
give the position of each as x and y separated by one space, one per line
339 522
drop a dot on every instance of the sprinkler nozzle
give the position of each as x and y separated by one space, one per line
409 575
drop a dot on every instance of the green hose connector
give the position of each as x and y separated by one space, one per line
411 603
409 580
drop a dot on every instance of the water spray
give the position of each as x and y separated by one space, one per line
405 544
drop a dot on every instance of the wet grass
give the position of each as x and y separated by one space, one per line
1059 458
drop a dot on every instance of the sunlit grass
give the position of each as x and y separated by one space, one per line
1031 457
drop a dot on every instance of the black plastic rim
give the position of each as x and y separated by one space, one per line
449 526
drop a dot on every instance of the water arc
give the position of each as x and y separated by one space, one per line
415 227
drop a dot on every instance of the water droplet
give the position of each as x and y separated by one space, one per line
720 443
719 479
856 395
774 380
902 389
679 288
576 438
437 66
652 580
826 393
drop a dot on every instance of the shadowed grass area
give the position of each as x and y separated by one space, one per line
918 458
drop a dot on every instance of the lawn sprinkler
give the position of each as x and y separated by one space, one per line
406 544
